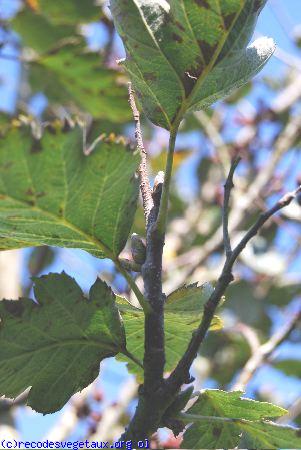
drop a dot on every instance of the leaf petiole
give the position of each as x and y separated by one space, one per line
162 216
140 297
132 358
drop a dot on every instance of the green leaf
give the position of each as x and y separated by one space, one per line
55 346
189 299
268 435
214 433
52 194
183 313
38 33
291 367
69 11
213 402
209 430
73 76
186 54
211 434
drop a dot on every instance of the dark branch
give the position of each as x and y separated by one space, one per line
181 373
153 398
228 187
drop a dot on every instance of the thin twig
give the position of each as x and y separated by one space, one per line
181 373
228 187
238 215
264 351
133 358
145 186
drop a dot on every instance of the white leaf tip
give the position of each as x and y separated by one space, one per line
264 47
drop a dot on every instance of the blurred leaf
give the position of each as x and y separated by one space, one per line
52 194
203 170
183 313
186 55
291 367
247 306
191 123
282 294
55 346
227 352
72 76
159 161
69 11
38 33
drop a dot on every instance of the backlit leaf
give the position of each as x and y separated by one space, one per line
69 11
52 194
38 33
55 346
75 77
239 414
290 367
183 313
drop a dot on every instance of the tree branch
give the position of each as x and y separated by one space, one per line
145 186
237 217
181 373
264 351
153 398
228 187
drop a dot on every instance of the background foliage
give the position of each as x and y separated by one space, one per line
65 65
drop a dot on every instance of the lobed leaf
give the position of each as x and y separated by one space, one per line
52 194
69 11
186 54
62 67
183 313
213 402
77 78
221 417
38 33
268 435
44 25
55 346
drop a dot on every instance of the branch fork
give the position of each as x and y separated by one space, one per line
157 394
